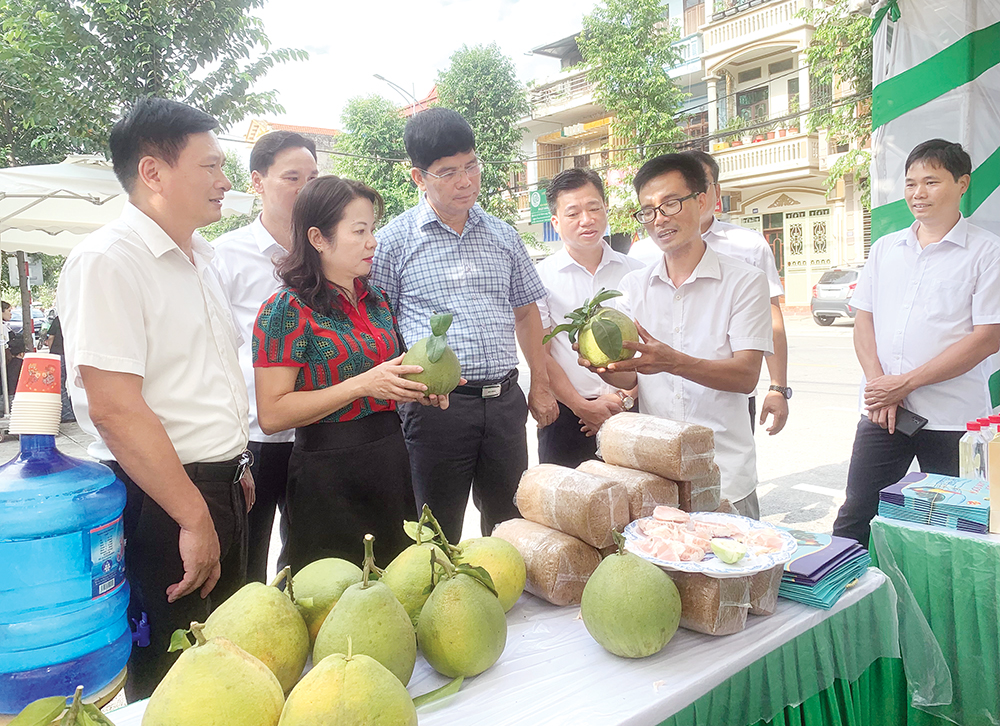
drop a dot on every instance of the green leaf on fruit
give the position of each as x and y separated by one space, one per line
435 347
410 528
41 712
440 323
448 689
477 573
604 296
564 328
179 641
608 337
96 715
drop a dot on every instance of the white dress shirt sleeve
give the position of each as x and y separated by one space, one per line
750 324
98 300
986 296
863 297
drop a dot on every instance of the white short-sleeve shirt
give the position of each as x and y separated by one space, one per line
924 300
747 245
723 307
130 301
568 284
246 260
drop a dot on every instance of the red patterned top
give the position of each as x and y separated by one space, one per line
328 350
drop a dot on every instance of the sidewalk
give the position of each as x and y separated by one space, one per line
72 441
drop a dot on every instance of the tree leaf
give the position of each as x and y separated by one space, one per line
605 295
96 715
564 328
477 573
440 323
607 336
435 347
41 712
410 528
448 689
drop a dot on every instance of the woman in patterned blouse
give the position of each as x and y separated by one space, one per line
327 363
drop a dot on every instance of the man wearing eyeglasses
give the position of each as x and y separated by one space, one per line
448 255
705 323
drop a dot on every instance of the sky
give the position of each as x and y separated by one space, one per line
407 42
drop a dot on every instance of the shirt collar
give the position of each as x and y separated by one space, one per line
565 260
714 229
425 215
957 235
265 242
156 240
707 267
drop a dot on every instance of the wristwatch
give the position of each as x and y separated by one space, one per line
627 401
785 391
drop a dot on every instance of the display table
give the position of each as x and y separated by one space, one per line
552 672
949 581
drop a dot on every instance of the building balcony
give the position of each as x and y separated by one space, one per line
770 161
571 93
750 21
690 49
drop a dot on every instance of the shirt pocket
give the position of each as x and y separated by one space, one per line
947 300
487 272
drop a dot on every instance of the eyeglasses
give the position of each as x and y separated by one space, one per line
472 170
668 209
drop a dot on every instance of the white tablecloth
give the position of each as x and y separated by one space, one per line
552 672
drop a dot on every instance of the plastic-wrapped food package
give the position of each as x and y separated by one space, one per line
558 565
672 449
713 605
764 591
701 494
583 505
645 491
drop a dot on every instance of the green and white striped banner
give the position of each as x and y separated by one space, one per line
937 75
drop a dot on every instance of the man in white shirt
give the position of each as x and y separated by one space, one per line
583 267
704 320
928 303
751 247
151 349
280 165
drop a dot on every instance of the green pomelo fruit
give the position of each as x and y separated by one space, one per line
462 630
593 344
502 560
377 626
409 577
440 377
342 691
319 585
216 684
728 550
630 606
262 620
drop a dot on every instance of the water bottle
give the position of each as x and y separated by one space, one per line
63 594
972 453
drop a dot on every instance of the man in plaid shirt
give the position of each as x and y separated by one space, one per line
447 255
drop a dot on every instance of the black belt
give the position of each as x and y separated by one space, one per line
489 389
210 471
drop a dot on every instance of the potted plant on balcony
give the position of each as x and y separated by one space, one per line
793 110
769 130
736 125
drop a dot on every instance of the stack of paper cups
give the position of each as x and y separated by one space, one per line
37 401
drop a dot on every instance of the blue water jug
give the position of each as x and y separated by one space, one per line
63 594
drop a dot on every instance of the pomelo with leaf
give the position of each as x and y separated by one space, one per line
601 331
442 370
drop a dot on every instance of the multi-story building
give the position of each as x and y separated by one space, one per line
745 59
325 139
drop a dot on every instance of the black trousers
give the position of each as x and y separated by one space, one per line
563 443
880 459
270 476
346 480
477 443
153 563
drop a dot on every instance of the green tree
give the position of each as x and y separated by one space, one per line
373 136
481 84
80 63
841 54
628 49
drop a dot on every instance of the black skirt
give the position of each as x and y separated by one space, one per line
346 480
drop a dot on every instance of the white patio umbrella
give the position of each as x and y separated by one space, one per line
51 208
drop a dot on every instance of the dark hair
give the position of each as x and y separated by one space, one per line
570 179
153 127
16 347
705 159
945 154
321 204
691 169
4 305
436 133
273 143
